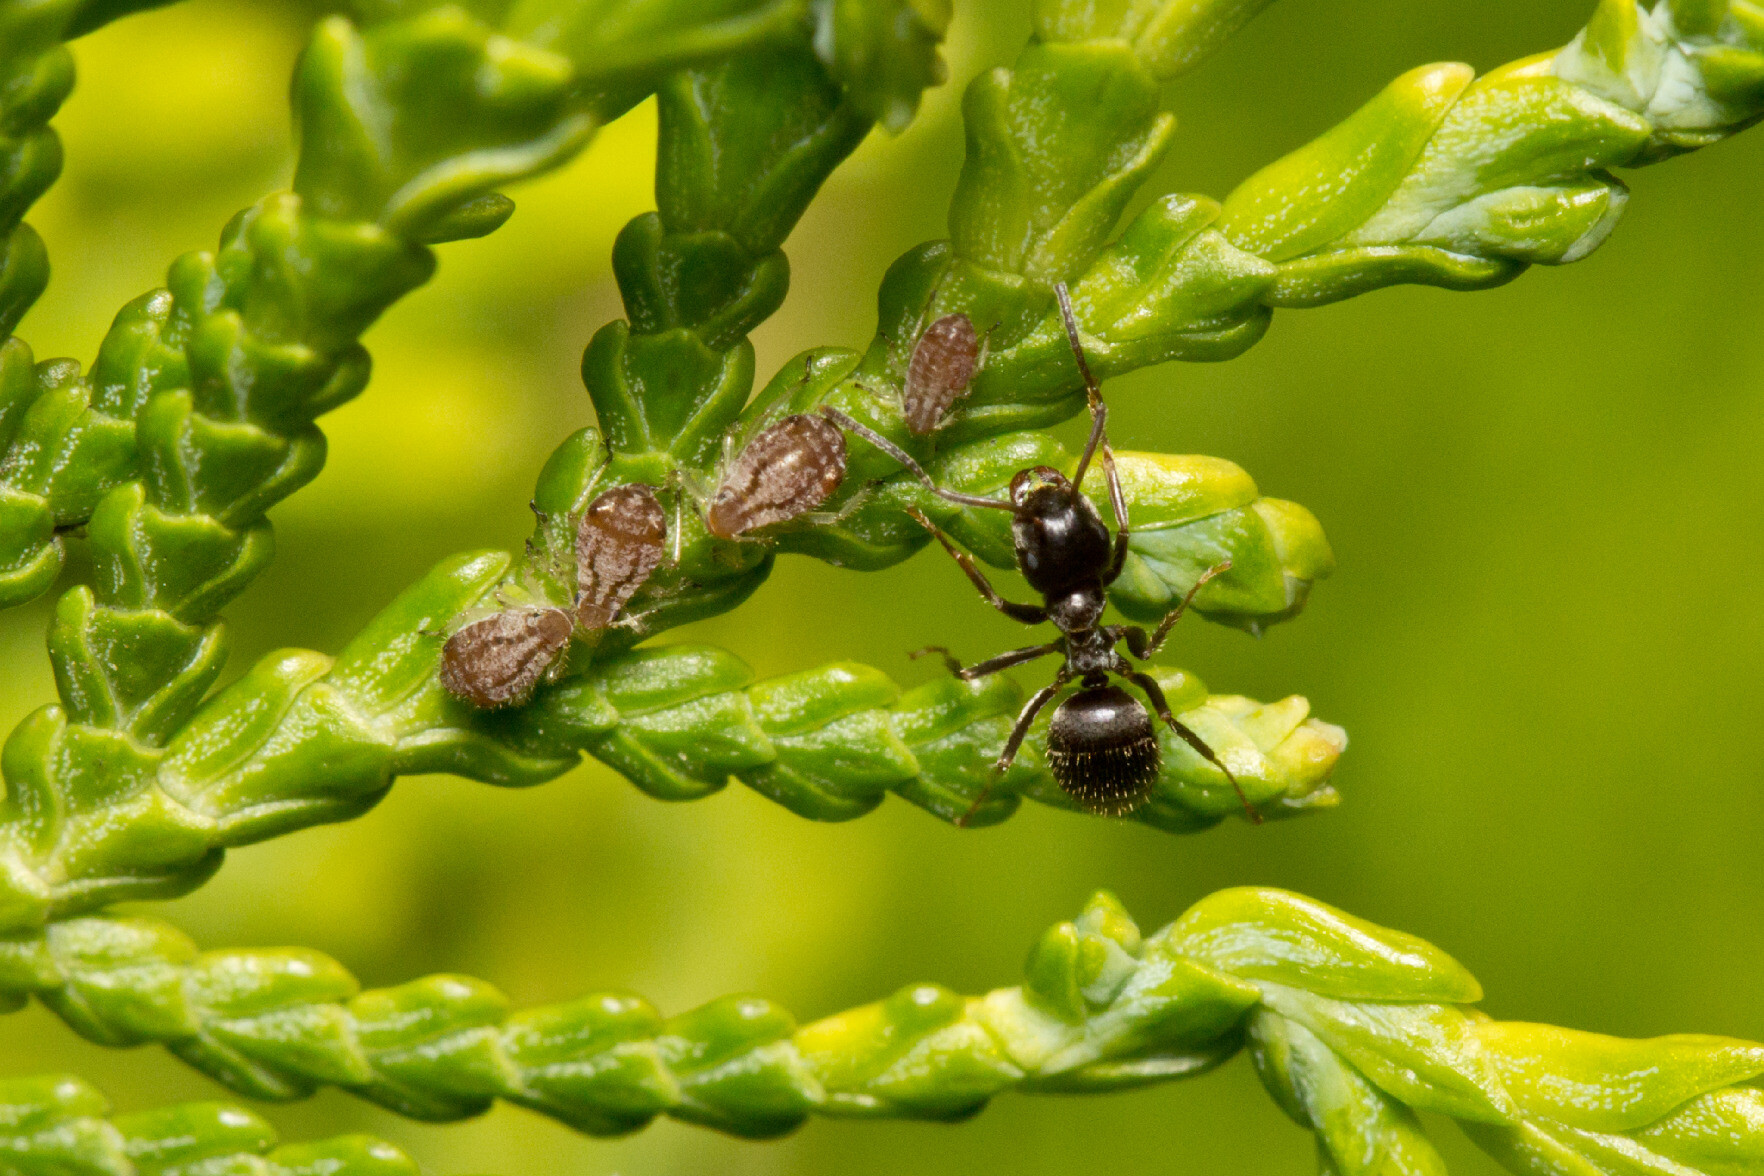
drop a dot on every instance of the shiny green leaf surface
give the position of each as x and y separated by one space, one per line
1102 1007
197 417
60 1126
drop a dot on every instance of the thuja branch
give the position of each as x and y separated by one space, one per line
745 145
36 75
301 739
1352 1027
405 127
1444 179
60 1125
1459 181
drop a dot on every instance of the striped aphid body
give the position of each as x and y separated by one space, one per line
786 471
942 366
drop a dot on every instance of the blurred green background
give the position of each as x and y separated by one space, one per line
1544 637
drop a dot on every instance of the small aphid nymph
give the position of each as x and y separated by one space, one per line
618 544
499 660
787 470
942 366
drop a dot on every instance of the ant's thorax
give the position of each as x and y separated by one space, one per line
1090 654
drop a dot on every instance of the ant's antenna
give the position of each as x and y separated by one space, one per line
1065 297
905 459
1093 394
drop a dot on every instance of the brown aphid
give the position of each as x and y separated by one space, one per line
618 544
939 372
785 471
500 660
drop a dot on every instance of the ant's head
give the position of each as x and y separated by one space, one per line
1039 489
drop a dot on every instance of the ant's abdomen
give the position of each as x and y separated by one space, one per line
1103 750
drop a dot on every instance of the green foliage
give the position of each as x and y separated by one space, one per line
59 1125
100 808
1463 182
197 416
300 739
1352 1027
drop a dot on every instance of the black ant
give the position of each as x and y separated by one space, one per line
1101 745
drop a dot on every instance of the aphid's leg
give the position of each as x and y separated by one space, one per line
1003 661
1099 412
1006 757
985 350
1155 694
1029 614
556 566
1136 639
832 518
633 620
677 479
906 460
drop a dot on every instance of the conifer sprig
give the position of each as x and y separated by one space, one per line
301 739
56 1125
1352 1027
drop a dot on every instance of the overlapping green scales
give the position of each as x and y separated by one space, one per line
301 739
407 126
1353 1028
671 386
1444 178
1458 181
212 386
57 1125
56 439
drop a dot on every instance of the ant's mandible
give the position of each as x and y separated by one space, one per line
1101 745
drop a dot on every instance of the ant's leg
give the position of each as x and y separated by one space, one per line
1136 639
1143 649
1099 412
1029 614
1024 721
1155 693
1003 661
1118 502
906 460
949 659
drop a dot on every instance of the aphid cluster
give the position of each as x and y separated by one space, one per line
500 660
1101 746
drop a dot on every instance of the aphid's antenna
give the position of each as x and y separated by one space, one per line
1098 411
906 460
